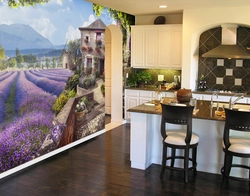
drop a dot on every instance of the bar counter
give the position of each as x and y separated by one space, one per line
202 111
146 141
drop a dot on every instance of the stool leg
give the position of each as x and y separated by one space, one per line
186 156
194 155
173 157
164 156
226 168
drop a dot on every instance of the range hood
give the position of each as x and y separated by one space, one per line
228 48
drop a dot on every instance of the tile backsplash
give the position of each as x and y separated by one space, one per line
168 74
224 74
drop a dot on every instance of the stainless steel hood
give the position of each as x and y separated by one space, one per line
228 47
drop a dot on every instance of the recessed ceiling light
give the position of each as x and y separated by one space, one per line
162 6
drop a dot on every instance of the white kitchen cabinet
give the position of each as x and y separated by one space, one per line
136 97
156 46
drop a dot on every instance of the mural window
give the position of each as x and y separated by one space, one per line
86 39
98 39
89 62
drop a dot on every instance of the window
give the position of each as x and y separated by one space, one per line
86 39
89 62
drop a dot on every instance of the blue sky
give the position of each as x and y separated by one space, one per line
57 20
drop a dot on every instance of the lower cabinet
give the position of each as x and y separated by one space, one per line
136 97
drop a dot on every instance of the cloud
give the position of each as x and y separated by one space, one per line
73 33
43 26
91 19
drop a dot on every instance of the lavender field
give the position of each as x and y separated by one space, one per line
34 92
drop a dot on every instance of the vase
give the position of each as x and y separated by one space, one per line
80 115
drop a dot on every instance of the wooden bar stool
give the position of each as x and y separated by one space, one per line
235 146
181 138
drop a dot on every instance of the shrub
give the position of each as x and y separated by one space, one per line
60 102
72 82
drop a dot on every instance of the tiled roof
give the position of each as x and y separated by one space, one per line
96 25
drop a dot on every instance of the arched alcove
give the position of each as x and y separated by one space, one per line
113 73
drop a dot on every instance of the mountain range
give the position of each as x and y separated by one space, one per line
22 37
27 40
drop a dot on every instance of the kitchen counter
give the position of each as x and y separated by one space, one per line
202 111
149 88
146 140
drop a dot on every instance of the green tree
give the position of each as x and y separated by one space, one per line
37 65
12 62
17 3
3 65
54 62
2 52
73 47
18 52
30 58
19 59
125 21
47 63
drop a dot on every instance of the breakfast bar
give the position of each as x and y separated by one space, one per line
208 123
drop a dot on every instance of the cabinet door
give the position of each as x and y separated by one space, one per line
137 47
151 44
176 47
164 48
130 103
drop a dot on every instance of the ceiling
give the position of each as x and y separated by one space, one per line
147 7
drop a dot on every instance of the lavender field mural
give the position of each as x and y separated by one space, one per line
43 82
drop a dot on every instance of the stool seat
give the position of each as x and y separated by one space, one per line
238 145
177 137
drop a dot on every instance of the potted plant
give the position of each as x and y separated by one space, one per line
132 80
80 109
143 77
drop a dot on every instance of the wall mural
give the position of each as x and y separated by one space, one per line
51 78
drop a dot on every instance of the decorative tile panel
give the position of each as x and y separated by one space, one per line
224 74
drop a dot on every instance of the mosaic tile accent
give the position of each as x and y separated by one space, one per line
224 74
238 82
239 63
220 62
229 72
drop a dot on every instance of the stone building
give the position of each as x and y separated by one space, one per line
92 47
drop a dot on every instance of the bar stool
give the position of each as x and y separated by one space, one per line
181 138
235 146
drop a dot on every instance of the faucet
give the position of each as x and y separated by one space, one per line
231 102
212 102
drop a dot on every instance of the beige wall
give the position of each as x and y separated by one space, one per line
149 19
196 21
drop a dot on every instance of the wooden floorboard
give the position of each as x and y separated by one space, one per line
101 166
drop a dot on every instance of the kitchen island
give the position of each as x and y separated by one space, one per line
146 141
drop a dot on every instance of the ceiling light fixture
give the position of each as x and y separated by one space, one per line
162 6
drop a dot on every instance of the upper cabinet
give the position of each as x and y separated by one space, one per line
156 46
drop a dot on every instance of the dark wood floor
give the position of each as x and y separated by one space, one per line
101 166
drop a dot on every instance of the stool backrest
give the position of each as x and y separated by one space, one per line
236 121
181 115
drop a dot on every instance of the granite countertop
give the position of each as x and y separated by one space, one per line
202 110
150 88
